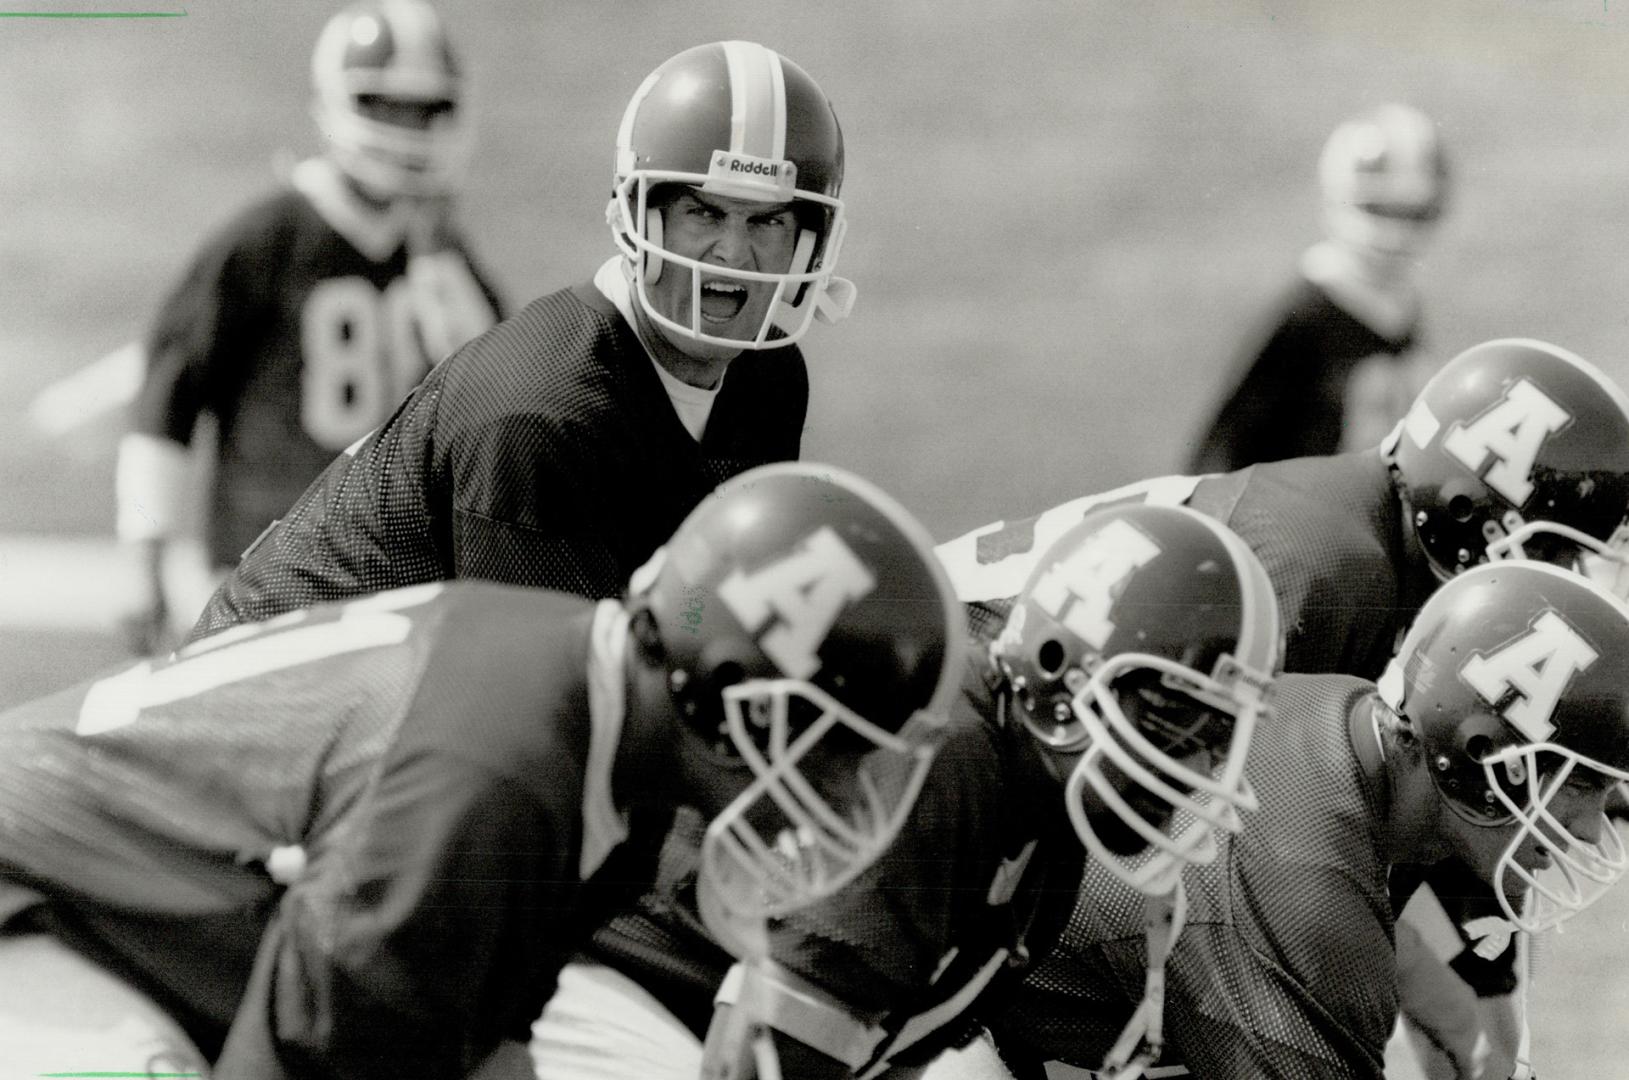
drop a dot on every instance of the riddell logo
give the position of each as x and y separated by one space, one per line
739 165
742 169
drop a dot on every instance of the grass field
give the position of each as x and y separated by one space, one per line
1065 218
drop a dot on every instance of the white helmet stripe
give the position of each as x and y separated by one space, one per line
757 101
413 31
1257 599
625 154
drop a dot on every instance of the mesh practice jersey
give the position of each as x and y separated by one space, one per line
299 344
1328 530
1286 967
943 915
1292 397
410 765
545 452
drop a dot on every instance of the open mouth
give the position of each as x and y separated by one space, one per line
722 301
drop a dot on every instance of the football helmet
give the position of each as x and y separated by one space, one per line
1144 635
1512 678
739 120
1516 448
809 633
381 55
1384 179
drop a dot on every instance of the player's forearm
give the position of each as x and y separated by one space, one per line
151 484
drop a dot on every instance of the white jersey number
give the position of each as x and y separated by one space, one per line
993 561
246 651
362 350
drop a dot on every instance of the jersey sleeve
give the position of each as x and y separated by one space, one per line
375 519
214 304
414 946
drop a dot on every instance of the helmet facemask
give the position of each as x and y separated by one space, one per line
1605 563
395 160
804 290
1217 713
1382 235
1579 871
798 834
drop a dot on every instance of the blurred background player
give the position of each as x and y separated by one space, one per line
301 325
1514 448
1495 738
1092 691
1337 367
426 795
563 446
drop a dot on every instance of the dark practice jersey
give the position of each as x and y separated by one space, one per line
1286 967
1329 532
941 921
299 344
396 784
546 452
1293 394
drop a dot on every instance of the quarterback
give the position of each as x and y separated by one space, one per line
563 446
302 324
417 803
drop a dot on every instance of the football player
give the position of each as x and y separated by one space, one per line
1516 447
1335 367
1495 738
426 797
563 446
1093 698
303 323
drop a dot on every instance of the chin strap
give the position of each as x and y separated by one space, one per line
759 998
1143 1038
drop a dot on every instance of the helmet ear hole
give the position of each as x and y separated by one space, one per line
1478 747
1461 508
1051 657
725 675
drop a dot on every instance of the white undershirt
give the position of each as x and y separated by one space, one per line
692 403
1388 311
374 231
